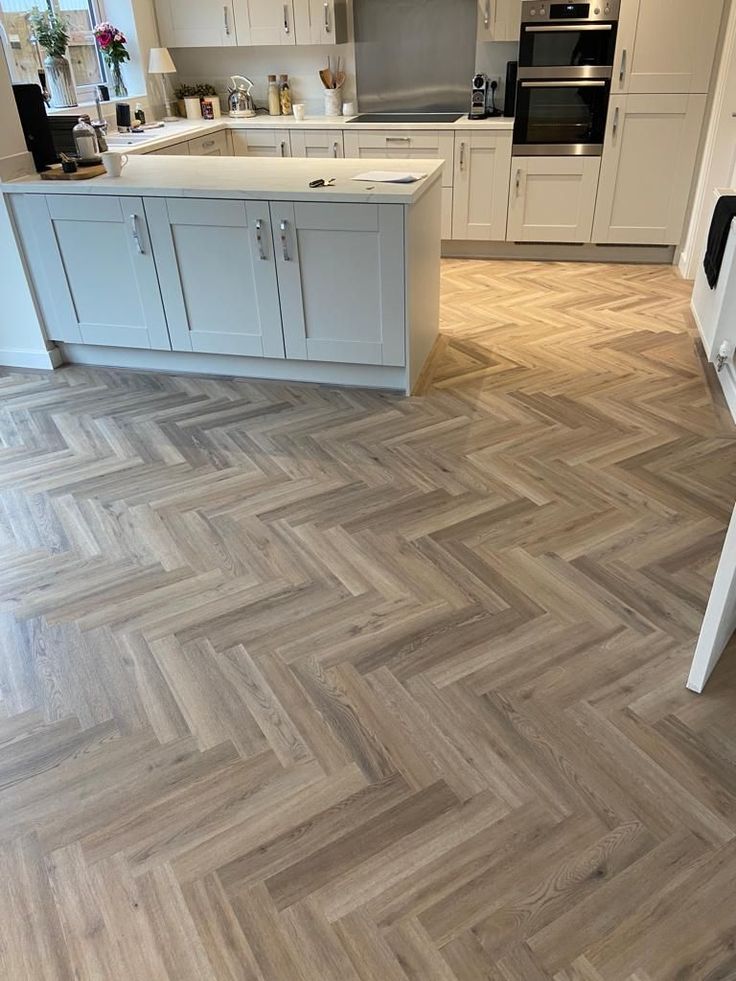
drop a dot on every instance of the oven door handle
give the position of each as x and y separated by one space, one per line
581 83
566 28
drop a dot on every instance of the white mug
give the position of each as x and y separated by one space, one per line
348 108
298 109
114 162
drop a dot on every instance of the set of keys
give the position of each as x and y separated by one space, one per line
323 182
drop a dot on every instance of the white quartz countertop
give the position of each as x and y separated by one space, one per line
246 178
189 129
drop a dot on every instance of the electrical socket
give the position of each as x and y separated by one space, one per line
496 79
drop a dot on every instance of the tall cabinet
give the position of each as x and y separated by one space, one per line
664 62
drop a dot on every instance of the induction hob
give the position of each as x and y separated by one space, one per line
407 117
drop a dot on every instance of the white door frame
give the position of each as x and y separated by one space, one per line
719 153
719 622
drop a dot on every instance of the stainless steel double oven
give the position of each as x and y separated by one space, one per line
566 58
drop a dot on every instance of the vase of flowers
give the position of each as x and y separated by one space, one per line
111 43
51 33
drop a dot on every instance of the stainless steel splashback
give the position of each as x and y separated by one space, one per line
414 54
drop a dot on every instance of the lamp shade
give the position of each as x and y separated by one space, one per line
160 62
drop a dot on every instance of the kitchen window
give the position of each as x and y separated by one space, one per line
25 58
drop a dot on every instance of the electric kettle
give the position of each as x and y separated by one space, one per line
239 100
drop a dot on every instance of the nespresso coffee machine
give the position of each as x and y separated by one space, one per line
479 96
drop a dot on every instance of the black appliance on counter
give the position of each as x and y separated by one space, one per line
509 97
35 124
566 56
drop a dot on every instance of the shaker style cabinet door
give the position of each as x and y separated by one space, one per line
666 46
216 267
328 313
217 145
99 278
261 142
647 168
320 21
499 20
552 199
482 167
317 143
264 21
196 23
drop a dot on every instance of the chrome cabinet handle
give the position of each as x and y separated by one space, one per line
136 234
208 143
283 148
580 84
227 21
259 239
615 120
286 19
398 139
462 156
487 15
327 17
285 241
622 73
334 150
518 182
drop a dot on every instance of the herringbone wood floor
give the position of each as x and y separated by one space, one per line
313 685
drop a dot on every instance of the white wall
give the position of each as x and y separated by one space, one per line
718 166
302 63
22 342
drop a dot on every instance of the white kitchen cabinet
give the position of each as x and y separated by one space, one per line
261 142
175 150
482 168
214 145
196 23
552 199
499 20
97 277
321 21
264 21
647 168
666 46
216 267
402 144
329 312
317 143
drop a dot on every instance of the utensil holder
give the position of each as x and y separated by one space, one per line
333 102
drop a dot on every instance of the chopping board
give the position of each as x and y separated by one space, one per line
83 174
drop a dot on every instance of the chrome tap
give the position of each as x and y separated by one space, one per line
100 127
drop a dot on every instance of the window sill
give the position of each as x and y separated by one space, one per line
82 104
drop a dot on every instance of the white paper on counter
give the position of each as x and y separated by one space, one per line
388 177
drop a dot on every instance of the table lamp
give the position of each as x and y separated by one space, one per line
161 63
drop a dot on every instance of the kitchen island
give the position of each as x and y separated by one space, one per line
236 266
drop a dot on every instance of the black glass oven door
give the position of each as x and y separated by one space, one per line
577 46
562 116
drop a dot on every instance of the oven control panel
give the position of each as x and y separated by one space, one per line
549 10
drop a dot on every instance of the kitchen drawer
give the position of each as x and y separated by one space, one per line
177 150
403 144
261 142
214 145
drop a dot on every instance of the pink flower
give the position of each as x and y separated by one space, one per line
105 40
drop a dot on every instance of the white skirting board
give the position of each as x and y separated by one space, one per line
727 378
719 622
552 252
19 358
183 362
